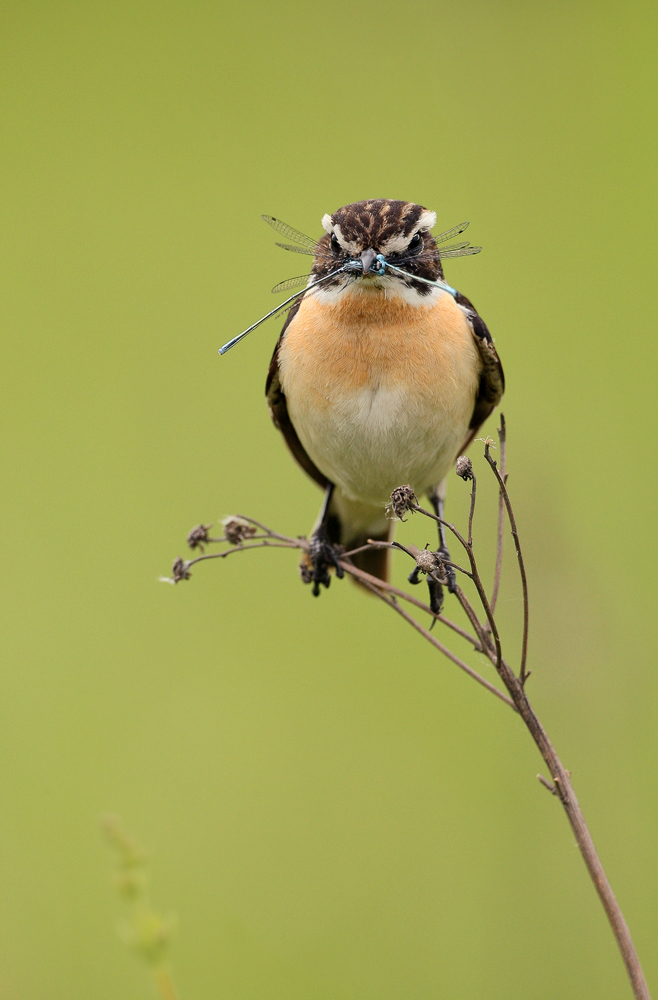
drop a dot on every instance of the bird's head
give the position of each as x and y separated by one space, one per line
377 246
359 235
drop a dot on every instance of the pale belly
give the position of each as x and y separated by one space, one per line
381 399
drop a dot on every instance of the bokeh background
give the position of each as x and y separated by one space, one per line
331 810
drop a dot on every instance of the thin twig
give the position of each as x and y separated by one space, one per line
241 548
442 649
471 512
561 777
561 785
460 569
220 541
373 581
524 582
411 551
480 629
476 578
571 806
547 784
439 520
263 527
502 445
364 548
286 542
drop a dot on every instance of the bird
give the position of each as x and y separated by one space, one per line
382 375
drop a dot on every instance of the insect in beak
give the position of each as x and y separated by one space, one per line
364 265
367 258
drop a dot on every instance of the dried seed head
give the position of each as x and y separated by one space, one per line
402 499
464 467
427 561
180 570
236 529
432 563
198 537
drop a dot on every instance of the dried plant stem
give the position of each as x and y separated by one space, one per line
366 579
567 796
285 542
546 783
480 630
488 641
565 792
483 642
559 774
502 445
519 555
241 548
475 575
472 512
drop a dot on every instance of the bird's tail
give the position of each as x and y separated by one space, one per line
372 561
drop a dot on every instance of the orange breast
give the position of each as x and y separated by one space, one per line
380 391
367 339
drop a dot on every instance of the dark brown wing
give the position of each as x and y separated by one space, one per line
492 379
276 401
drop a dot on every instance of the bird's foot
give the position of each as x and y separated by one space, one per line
437 567
314 567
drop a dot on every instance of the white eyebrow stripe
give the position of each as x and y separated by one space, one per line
335 230
349 245
396 244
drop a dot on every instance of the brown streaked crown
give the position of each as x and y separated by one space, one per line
373 223
385 226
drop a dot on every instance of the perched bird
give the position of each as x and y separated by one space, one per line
381 376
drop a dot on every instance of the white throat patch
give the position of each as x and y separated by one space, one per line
388 286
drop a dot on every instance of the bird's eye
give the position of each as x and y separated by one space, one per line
416 243
335 245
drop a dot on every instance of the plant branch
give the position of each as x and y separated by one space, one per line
547 784
388 588
479 628
475 576
430 638
523 674
471 512
567 796
488 641
502 445
241 548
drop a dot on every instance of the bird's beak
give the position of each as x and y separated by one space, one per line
367 257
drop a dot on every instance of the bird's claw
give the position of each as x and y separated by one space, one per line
321 555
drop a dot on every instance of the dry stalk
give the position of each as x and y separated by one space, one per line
244 533
502 445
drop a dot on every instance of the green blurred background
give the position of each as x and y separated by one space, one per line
331 809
